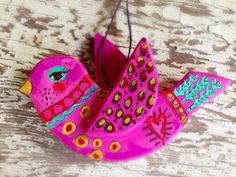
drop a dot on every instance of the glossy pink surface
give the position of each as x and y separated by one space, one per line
129 121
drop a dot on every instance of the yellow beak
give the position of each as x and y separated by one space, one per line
26 88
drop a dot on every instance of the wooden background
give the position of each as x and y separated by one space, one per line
184 34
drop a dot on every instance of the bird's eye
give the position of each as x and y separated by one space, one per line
57 74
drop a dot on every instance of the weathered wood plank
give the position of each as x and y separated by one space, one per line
184 34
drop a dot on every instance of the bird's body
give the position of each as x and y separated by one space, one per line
131 120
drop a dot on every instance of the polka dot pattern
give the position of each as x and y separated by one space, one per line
176 106
63 104
133 97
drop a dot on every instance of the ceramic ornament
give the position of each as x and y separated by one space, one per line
128 121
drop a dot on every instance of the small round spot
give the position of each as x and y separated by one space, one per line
139 111
140 62
150 101
68 128
81 141
119 113
102 93
114 146
183 118
149 67
47 113
97 142
68 101
131 69
181 110
116 97
123 83
143 76
141 95
76 94
126 120
133 85
170 95
151 83
109 127
109 111
175 103
143 49
128 102
58 108
96 155
101 122
85 111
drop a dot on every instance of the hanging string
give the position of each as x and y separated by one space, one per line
129 26
106 34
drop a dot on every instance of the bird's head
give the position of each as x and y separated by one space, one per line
52 79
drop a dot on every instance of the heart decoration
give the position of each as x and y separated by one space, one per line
158 126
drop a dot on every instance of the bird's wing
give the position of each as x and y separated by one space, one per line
113 59
133 96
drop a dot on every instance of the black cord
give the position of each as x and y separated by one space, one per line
129 26
107 32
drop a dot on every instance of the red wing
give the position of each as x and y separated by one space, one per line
113 59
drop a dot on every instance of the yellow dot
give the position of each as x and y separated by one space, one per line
101 122
128 102
122 83
81 141
96 155
131 68
183 118
109 111
127 120
150 101
181 110
139 111
68 128
119 113
109 128
152 81
97 142
117 97
149 63
134 82
170 95
114 146
140 59
175 103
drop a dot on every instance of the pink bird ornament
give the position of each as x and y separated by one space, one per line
128 121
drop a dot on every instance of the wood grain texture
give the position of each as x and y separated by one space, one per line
184 35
